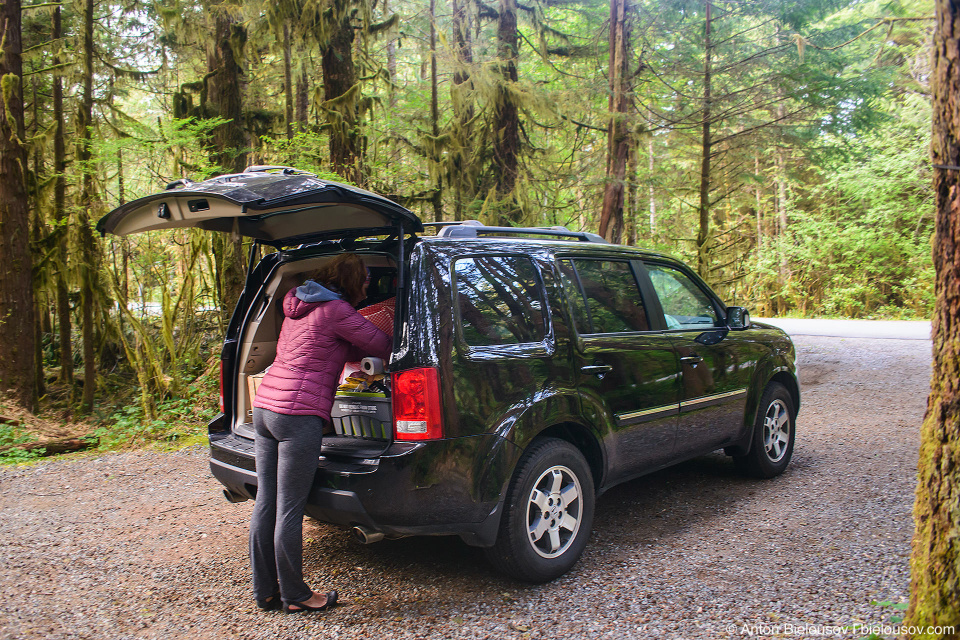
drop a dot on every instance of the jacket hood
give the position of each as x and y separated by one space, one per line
312 291
296 306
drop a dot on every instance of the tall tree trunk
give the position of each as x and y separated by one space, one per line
41 309
392 59
619 138
287 82
89 259
437 197
17 367
228 150
224 95
784 270
653 201
756 190
632 211
935 561
339 77
303 88
703 232
506 140
60 213
462 100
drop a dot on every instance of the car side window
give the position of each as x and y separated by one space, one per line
610 297
578 306
500 300
685 305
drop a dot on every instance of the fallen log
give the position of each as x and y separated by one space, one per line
54 447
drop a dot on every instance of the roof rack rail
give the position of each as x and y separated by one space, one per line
274 168
476 229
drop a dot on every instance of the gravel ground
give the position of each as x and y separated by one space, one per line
143 545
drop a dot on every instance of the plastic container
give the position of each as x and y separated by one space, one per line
362 415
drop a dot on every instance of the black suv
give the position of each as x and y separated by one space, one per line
532 369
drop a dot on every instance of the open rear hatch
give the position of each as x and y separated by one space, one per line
281 207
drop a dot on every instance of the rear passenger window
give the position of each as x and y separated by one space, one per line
606 293
578 306
500 300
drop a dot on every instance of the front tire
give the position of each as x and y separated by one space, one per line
548 513
774 433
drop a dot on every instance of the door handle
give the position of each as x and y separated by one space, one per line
596 369
693 360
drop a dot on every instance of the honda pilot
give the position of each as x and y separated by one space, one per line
532 368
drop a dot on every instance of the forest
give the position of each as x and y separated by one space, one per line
781 148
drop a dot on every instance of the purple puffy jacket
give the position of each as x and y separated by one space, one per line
316 339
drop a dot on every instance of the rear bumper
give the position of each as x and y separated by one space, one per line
430 488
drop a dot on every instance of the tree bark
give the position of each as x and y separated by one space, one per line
935 561
781 195
462 101
39 231
653 201
89 258
506 140
339 76
632 215
60 213
303 88
756 193
619 138
17 367
287 82
224 95
392 59
437 197
703 232
225 99
784 269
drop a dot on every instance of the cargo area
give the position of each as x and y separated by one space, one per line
361 414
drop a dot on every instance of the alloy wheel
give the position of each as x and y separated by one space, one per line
776 430
554 511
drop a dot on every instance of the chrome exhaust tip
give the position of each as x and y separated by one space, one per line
365 536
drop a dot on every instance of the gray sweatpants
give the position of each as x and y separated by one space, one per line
287 449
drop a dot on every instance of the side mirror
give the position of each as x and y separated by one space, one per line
738 318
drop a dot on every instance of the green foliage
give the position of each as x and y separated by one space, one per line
858 244
179 421
11 435
306 150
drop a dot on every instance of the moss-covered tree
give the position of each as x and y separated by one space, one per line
17 367
935 563
89 250
620 140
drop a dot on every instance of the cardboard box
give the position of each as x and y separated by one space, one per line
253 382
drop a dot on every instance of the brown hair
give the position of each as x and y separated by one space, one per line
346 274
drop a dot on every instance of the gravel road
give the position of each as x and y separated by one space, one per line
143 545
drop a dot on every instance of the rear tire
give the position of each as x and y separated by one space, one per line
774 433
548 513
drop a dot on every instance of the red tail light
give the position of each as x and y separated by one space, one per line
416 405
221 387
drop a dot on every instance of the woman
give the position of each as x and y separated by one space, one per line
321 331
